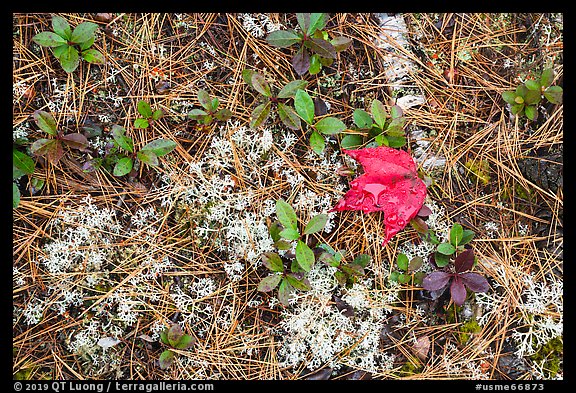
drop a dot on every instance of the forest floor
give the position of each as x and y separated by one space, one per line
104 264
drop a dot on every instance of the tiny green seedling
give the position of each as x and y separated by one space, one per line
458 238
210 112
148 116
175 338
328 125
53 148
347 273
407 270
68 45
311 39
283 232
273 101
387 129
125 163
525 99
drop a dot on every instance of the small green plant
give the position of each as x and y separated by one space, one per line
327 125
123 163
407 270
458 238
148 116
210 112
53 148
270 100
22 165
386 129
68 45
347 273
311 38
174 338
283 232
525 99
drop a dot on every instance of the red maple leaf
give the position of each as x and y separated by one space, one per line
390 183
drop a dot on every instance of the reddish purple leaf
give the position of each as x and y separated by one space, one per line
458 291
390 184
464 261
301 61
436 280
424 211
76 141
475 282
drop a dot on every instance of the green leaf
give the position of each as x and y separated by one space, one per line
288 116
396 141
48 38
317 142
141 123
517 109
164 337
269 283
148 157
123 166
419 225
304 106
301 284
303 21
144 109
509 97
93 56
521 91
295 267
379 113
59 51
547 77
554 94
157 114
284 292
259 83
118 133
317 22
316 224
166 359
394 276
283 38
351 141
83 32
290 234
531 112
69 59
456 234
341 277
362 260
532 97
15 195
353 269
467 236
534 85
381 140
446 248
402 262
330 126
223 114
260 114
290 89
329 259
86 44
322 48
404 278
41 146
197 114
397 113
61 27
16 173
273 262
205 100
274 229
362 119
286 215
247 76
304 256
45 122
160 147
283 245
185 342
341 43
415 264
441 260
315 65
